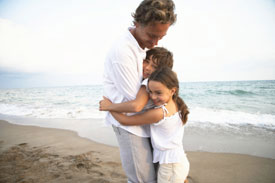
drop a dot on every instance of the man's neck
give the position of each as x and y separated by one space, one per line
133 32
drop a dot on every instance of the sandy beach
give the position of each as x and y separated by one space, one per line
35 154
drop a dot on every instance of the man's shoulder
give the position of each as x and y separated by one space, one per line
124 48
125 43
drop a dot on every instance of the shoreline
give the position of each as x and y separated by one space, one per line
247 140
41 154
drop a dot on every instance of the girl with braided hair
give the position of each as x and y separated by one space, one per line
167 122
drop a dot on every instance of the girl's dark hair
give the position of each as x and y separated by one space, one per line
150 11
169 78
161 56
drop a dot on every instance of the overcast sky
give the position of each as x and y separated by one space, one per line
63 42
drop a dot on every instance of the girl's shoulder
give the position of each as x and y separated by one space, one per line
157 110
155 114
169 109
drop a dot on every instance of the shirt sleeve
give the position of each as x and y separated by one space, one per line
145 82
126 80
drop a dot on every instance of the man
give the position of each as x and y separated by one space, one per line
122 80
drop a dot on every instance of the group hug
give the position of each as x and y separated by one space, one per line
141 95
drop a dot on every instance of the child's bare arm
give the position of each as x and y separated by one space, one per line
148 117
131 106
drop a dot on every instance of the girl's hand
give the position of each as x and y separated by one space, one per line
104 104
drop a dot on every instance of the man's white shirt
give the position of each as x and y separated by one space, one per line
123 77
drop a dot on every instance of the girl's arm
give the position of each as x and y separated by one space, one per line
148 117
131 106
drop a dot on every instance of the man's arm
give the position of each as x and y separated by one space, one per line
127 80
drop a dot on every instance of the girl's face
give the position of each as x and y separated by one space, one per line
149 66
159 93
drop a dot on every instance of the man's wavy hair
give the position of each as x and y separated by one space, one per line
150 11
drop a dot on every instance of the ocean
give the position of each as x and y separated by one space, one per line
234 107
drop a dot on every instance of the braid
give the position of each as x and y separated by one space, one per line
182 107
169 78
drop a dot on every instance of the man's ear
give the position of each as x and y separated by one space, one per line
136 24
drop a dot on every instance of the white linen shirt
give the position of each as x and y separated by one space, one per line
123 76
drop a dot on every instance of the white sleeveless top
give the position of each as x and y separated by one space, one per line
166 137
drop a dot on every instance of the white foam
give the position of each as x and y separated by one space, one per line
51 112
226 117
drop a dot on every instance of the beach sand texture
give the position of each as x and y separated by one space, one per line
34 154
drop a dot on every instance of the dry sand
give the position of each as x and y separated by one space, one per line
33 154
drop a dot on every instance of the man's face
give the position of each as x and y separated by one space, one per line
149 35
149 66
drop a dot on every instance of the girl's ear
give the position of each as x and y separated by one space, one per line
173 90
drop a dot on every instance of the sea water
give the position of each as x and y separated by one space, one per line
232 107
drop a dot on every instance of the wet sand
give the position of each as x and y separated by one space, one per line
35 154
